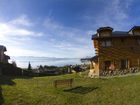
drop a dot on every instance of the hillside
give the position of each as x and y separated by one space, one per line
85 91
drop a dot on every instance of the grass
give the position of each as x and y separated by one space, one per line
85 91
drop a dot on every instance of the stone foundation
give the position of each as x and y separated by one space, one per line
115 72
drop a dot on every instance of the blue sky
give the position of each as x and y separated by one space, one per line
61 28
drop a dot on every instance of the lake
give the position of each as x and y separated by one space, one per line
36 61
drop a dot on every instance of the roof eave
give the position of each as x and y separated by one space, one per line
131 36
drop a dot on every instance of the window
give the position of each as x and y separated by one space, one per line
124 64
106 43
107 65
103 43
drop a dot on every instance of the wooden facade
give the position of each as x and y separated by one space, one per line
115 50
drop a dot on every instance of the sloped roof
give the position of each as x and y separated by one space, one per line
94 58
102 28
135 27
116 34
120 32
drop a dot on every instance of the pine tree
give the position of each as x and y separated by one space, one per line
29 67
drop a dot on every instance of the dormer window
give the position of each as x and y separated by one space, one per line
106 43
135 30
104 31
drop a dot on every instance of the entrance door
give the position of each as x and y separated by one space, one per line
124 64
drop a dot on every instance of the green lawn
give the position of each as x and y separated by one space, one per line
85 91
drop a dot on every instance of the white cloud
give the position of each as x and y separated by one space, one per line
54 28
116 10
22 41
114 13
21 20
75 43
11 50
51 25
12 28
16 37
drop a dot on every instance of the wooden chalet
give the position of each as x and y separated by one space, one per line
115 50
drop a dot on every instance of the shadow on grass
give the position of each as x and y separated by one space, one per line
21 77
4 81
1 97
8 80
81 90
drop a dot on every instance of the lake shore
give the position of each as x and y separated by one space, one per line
23 61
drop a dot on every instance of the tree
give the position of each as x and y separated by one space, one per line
77 68
14 63
29 67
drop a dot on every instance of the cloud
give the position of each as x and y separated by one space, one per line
18 36
58 40
68 40
116 10
22 20
114 13
7 29
23 36
22 51
52 25
53 28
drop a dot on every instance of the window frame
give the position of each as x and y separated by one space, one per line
106 43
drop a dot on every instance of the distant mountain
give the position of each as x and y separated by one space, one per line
42 57
22 61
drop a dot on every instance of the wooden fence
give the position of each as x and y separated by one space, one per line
65 82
